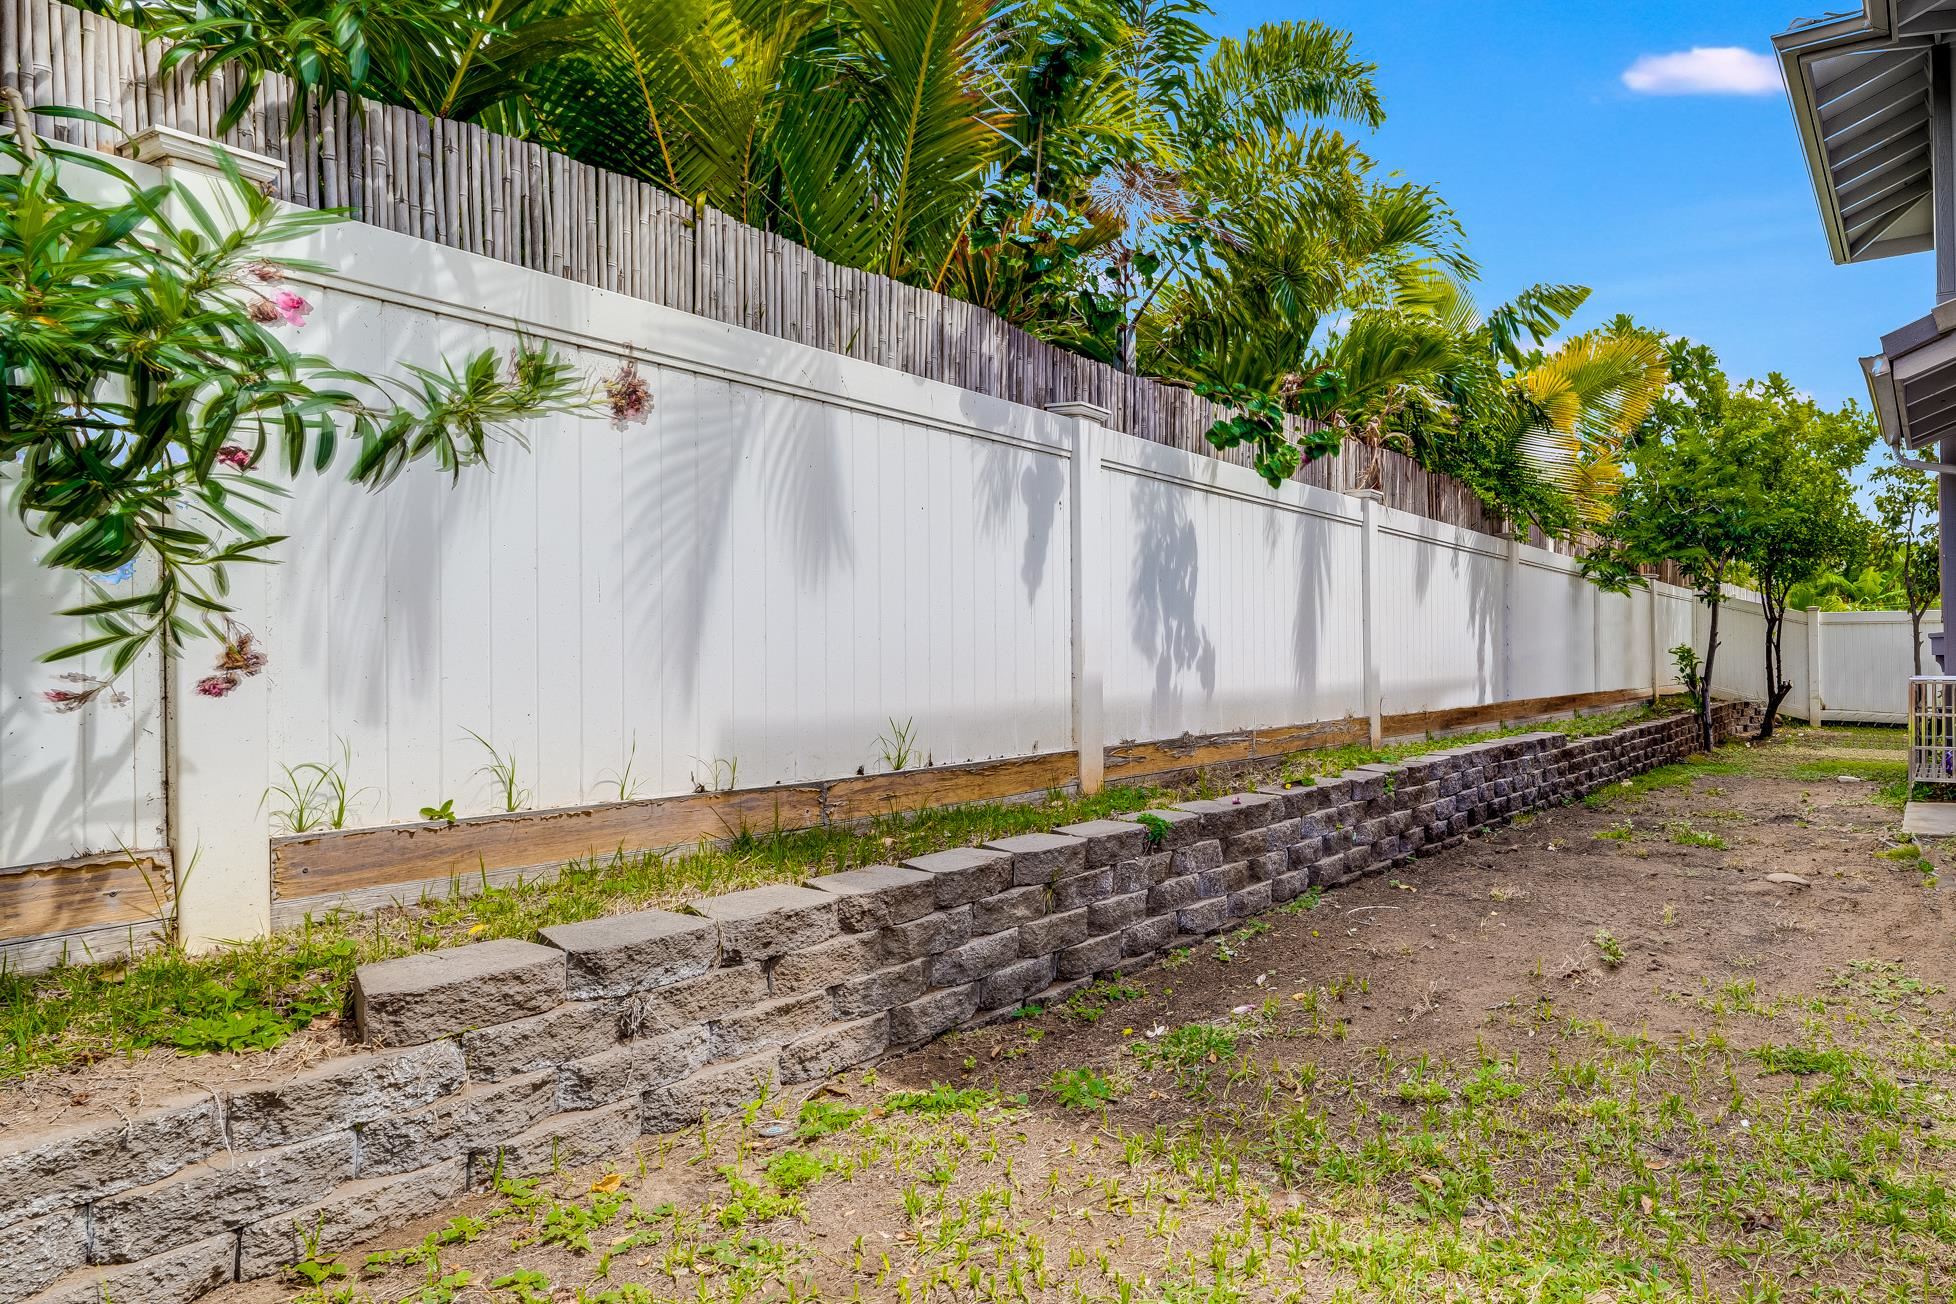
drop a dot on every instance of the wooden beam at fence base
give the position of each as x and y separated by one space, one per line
848 800
1501 713
343 861
88 892
355 860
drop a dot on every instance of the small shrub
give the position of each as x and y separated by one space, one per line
1686 836
942 1098
1611 949
1090 1003
1311 899
793 1169
1081 1089
820 1118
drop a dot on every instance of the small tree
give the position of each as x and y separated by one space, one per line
1906 515
1687 499
144 384
1803 518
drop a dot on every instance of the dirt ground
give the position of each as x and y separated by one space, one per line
1598 1055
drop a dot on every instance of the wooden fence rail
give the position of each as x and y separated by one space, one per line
459 185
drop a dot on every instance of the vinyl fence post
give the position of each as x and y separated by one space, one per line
1656 645
1089 569
1814 649
217 745
1369 501
1510 595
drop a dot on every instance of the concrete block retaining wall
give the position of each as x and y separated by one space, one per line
520 1057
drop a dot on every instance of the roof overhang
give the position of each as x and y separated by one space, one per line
1913 380
1860 85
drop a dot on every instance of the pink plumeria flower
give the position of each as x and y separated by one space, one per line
291 307
234 457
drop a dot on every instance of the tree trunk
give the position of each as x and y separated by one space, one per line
1915 615
1777 687
1711 655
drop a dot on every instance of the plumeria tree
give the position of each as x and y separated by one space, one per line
150 395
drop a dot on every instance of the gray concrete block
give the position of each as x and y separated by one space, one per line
1053 933
1176 828
220 1194
769 1025
1148 936
1042 857
44 1172
1196 857
1117 912
1266 867
1224 879
877 896
1288 887
479 1114
176 1276
1252 900
975 959
1203 916
763 922
632 1068
931 934
340 1093
697 1000
880 989
713 1092
437 994
1108 841
572 1031
835 1048
1082 889
1008 909
1095 955
573 1140
825 964
1174 893
621 954
37 1252
918 1021
1009 985
352 1214
1222 816
965 874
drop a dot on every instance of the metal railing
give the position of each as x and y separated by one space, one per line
1932 729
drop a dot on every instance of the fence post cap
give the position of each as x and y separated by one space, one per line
1366 495
1085 411
166 146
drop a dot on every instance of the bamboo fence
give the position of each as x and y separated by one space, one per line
459 185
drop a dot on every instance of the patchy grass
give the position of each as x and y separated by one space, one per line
1602 1164
1408 1108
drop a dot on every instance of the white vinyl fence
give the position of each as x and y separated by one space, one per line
797 555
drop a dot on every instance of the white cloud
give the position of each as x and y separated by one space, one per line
1705 70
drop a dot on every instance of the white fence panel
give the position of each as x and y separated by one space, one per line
1439 605
758 579
1865 664
72 783
1229 607
1554 641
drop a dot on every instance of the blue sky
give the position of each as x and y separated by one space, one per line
1690 211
